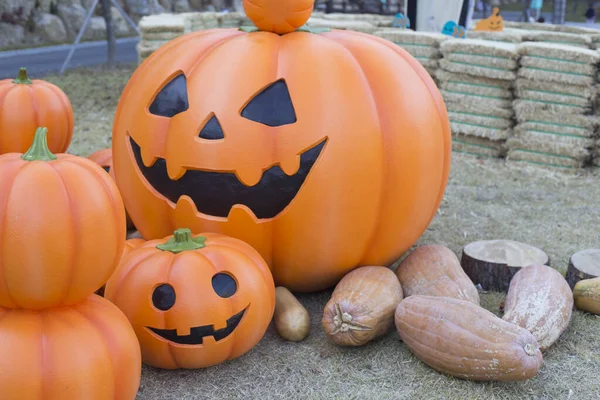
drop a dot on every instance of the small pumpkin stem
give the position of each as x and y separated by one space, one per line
530 349
182 240
39 150
343 322
22 78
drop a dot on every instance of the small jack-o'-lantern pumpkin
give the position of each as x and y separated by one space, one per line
337 140
194 301
84 351
104 159
26 104
494 22
63 227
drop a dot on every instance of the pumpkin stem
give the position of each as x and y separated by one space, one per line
182 240
22 78
343 322
39 150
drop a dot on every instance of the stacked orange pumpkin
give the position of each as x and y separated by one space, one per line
59 340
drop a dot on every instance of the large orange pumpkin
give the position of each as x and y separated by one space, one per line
26 104
104 159
63 227
194 301
85 351
323 151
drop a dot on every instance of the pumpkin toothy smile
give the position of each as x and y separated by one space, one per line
198 333
215 193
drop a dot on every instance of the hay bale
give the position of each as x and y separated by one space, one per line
555 93
481 71
429 63
561 38
161 36
474 120
481 47
358 26
478 146
542 159
526 111
562 133
422 51
172 23
564 66
549 142
548 147
503 36
496 87
559 52
571 78
483 60
549 27
404 37
475 100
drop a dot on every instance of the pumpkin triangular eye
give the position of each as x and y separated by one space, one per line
212 130
172 99
272 106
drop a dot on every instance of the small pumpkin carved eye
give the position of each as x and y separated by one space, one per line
172 99
272 106
224 285
107 169
163 297
212 130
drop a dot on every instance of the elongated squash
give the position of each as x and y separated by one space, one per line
587 295
434 270
291 318
362 306
459 338
540 300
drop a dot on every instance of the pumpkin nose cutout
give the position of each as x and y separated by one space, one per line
212 130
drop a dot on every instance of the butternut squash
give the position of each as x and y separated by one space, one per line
540 300
362 306
459 338
435 270
292 321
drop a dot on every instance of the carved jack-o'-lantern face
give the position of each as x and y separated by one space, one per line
338 140
194 302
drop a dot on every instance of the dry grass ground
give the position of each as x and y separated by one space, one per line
484 200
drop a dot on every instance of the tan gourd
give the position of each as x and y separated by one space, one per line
362 306
291 318
540 300
459 338
434 270
587 295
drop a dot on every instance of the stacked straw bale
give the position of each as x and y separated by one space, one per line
424 46
475 80
556 94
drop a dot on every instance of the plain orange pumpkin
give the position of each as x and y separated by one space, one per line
278 16
194 301
104 159
63 227
85 351
323 151
26 104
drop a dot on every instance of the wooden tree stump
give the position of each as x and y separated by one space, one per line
584 264
493 263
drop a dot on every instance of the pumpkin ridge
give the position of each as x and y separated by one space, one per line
208 51
119 284
173 257
104 335
114 196
471 334
66 106
3 223
43 355
440 105
443 339
373 234
75 249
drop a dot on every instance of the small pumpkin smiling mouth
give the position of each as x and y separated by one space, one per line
198 333
215 193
